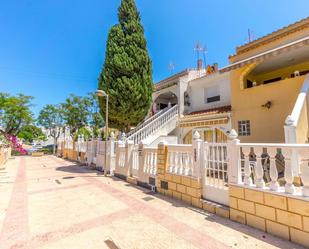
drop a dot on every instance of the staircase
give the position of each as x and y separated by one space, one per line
161 124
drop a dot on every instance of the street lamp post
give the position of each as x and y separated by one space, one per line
101 93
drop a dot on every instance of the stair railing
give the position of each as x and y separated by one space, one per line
147 121
154 125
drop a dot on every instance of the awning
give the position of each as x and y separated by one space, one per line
204 123
208 117
270 53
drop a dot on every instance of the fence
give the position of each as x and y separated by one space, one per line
5 153
269 167
89 152
136 162
262 185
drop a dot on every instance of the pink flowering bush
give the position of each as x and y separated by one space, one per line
16 145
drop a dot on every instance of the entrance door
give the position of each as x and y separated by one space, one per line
211 135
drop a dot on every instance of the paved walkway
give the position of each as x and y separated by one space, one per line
54 204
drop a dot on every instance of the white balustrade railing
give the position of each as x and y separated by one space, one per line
83 147
70 145
150 161
136 161
269 166
153 126
146 122
101 148
121 157
122 161
180 160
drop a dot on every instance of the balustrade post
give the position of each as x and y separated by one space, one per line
128 160
259 170
305 179
198 155
273 172
304 173
233 158
111 147
248 172
117 152
141 160
123 137
288 171
92 152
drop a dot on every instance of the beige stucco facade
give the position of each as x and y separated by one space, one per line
265 87
267 125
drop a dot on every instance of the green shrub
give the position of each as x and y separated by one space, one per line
15 153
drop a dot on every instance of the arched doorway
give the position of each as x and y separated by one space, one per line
163 101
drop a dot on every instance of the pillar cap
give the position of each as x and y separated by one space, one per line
196 135
233 134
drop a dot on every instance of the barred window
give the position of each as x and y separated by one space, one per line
244 128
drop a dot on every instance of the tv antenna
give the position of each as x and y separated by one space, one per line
171 67
198 49
250 35
204 51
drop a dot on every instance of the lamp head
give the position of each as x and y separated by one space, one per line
101 93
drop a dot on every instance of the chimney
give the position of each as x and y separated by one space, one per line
199 64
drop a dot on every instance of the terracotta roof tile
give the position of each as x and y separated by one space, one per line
216 110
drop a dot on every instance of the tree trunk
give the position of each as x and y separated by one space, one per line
54 147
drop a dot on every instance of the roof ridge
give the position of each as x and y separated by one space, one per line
240 48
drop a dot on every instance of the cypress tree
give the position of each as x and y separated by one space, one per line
127 71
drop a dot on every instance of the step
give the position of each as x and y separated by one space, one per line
132 180
216 208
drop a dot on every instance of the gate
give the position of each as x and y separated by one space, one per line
215 173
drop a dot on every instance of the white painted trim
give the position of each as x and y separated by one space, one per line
265 53
291 121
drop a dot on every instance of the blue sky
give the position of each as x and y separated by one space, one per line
51 48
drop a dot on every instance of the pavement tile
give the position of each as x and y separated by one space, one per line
60 205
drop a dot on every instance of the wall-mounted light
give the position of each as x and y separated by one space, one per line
267 105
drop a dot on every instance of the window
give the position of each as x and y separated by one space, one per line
213 99
272 80
212 94
244 128
249 83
